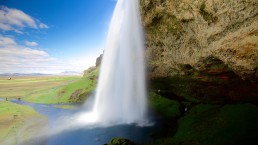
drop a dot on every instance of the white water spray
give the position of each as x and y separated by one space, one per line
121 90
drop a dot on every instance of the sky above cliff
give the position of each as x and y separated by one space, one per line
52 36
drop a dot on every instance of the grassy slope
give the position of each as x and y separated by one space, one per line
62 94
162 106
14 124
214 125
204 124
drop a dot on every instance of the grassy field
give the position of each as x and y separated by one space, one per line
76 91
18 123
59 94
50 89
25 87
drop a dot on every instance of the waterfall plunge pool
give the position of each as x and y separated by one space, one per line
83 135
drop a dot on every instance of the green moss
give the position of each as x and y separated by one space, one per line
202 7
165 23
177 86
163 106
205 124
120 141
212 125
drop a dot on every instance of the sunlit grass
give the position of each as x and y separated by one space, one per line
63 93
60 94
20 87
14 122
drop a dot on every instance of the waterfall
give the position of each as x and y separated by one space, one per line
121 89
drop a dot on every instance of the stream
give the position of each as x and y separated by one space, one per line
85 135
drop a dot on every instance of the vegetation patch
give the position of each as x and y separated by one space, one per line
164 107
213 125
21 87
76 91
16 120
204 124
120 141
163 23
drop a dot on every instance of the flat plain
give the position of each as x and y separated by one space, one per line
22 87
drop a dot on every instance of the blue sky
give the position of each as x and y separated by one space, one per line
52 36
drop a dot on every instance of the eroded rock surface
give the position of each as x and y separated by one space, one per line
185 34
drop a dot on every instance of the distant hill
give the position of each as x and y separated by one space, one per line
70 73
65 73
23 74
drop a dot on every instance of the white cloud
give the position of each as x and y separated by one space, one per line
15 58
42 25
6 41
28 43
15 20
5 26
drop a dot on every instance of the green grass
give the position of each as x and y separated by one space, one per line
120 141
59 94
76 91
50 89
214 125
20 87
163 106
204 124
14 122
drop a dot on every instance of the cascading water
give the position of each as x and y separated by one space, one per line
121 91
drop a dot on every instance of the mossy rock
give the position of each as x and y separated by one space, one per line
164 107
216 125
120 141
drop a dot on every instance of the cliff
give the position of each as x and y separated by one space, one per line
213 36
202 68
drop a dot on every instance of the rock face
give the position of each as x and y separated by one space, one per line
93 68
185 35
98 60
